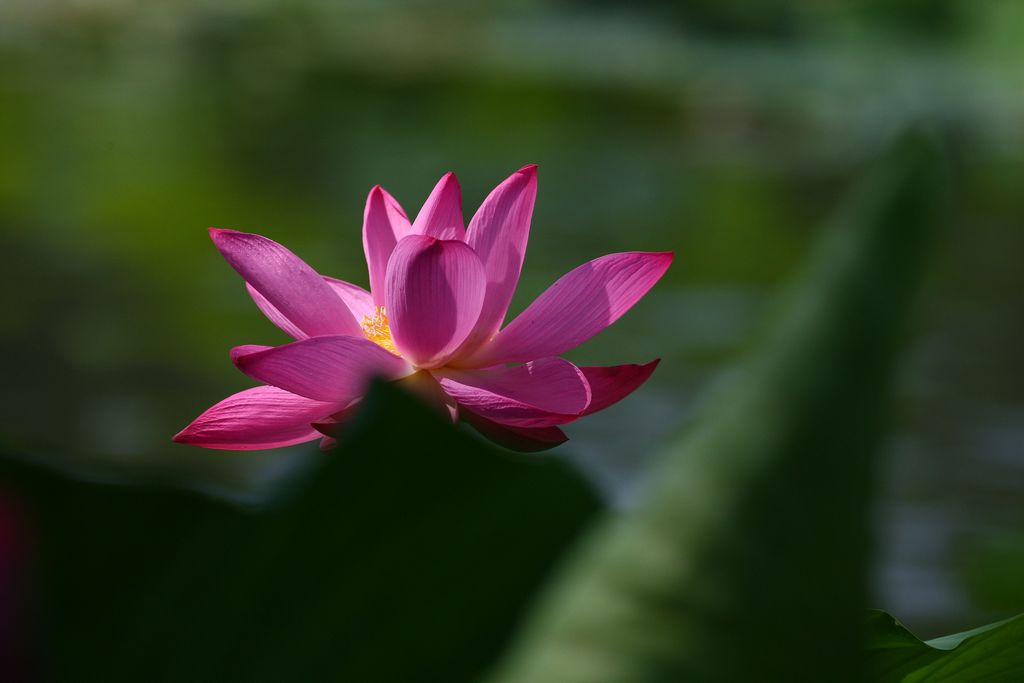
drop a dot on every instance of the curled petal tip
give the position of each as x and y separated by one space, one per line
182 437
530 169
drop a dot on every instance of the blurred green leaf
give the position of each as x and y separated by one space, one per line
993 653
407 557
746 563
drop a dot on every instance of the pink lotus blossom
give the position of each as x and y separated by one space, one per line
432 320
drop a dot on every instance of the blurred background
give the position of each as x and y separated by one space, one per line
725 131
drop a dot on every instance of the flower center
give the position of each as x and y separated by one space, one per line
376 329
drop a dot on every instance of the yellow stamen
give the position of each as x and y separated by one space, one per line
376 329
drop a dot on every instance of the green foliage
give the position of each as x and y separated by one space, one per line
993 653
408 556
746 562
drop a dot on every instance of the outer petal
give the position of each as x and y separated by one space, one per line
357 299
333 369
435 289
261 417
288 284
498 234
384 223
524 439
542 393
246 349
441 215
574 309
609 385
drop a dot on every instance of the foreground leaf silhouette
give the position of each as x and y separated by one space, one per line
401 559
746 562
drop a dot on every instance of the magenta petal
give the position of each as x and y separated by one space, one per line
435 289
273 315
333 368
384 223
498 234
261 417
289 285
542 393
441 215
523 439
246 349
357 299
575 308
609 385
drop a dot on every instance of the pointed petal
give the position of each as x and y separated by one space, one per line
609 385
357 299
498 234
441 215
575 308
435 289
384 223
542 393
257 418
286 282
246 349
522 439
328 443
334 369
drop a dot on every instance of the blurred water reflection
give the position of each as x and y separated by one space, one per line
722 132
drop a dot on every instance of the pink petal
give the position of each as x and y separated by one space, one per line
542 393
273 315
333 368
261 417
246 349
498 234
357 299
435 289
441 215
286 282
524 439
334 426
609 385
384 223
574 309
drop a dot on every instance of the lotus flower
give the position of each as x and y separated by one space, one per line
432 320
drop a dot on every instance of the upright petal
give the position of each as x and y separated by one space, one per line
298 293
357 299
335 369
435 289
441 215
498 234
384 223
523 439
575 308
542 393
261 417
611 384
